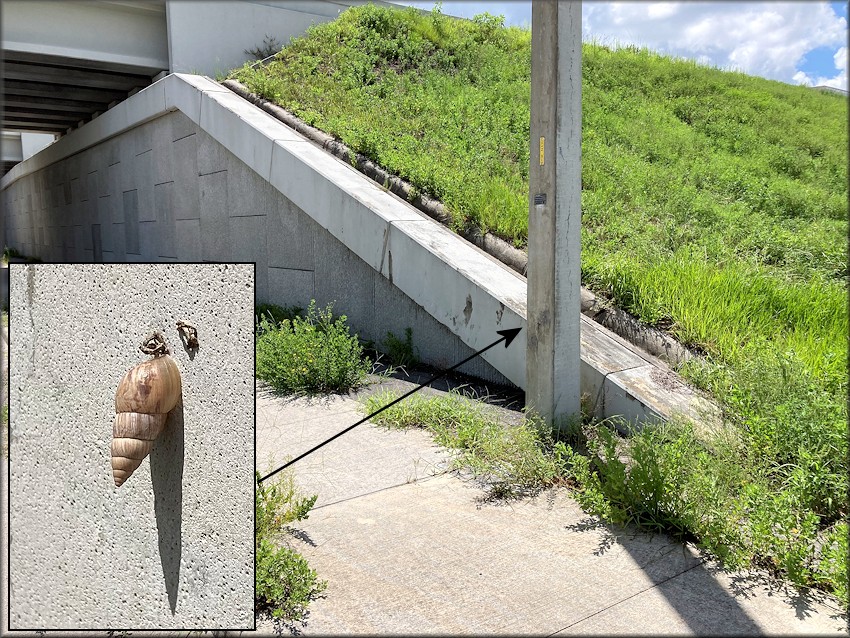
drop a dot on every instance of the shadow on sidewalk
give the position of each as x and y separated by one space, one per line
694 592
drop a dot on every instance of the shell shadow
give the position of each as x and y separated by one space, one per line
167 478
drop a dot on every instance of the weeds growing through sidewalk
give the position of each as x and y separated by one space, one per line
285 584
401 352
710 488
309 354
514 460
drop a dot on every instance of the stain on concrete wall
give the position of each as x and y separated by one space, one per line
173 546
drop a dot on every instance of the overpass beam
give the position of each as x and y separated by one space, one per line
11 147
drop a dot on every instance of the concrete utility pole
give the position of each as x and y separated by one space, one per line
554 220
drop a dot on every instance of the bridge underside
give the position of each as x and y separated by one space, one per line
66 62
51 94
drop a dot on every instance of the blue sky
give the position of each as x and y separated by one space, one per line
793 42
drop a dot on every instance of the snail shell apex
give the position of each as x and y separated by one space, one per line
145 396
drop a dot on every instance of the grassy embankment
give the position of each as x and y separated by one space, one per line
714 207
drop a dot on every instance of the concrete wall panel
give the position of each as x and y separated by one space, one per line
215 224
235 27
173 546
186 199
211 157
144 182
188 239
290 237
289 287
164 230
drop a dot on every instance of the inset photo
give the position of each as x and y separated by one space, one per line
131 446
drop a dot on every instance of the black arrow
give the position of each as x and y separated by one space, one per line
507 337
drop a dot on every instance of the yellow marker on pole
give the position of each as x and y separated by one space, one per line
542 143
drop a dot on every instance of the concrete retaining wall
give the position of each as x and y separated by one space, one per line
167 190
185 169
173 546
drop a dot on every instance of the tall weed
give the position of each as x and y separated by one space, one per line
285 584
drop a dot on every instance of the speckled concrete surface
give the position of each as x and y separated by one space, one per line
173 546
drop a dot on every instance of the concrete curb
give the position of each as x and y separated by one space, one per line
652 340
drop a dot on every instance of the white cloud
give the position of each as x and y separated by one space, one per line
838 81
661 10
840 59
800 77
768 39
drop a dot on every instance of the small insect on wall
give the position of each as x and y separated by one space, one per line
131 474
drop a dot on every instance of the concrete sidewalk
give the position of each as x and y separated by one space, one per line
407 547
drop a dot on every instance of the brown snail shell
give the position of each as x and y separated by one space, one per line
145 396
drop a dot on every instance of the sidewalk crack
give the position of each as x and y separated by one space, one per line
638 593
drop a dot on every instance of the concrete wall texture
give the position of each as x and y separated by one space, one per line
173 546
235 27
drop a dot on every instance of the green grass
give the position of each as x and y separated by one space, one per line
714 207
731 502
714 204
514 460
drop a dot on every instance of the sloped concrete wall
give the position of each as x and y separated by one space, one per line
215 177
167 191
173 546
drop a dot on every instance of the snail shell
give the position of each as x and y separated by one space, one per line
145 396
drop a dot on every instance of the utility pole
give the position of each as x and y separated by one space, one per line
554 220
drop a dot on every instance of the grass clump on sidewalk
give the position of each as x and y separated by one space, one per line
285 584
514 460
308 354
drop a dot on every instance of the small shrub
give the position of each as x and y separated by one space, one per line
285 584
313 354
278 503
401 351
